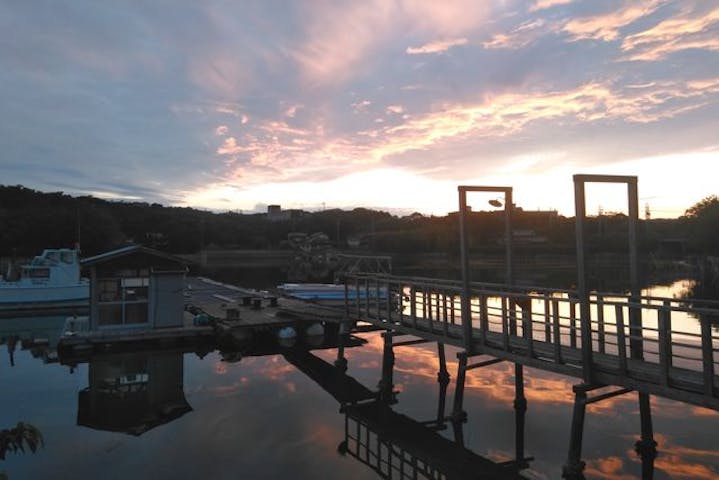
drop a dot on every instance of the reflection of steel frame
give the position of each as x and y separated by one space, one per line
398 446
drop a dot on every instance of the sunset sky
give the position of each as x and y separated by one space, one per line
233 105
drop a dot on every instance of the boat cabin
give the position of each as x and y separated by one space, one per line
135 287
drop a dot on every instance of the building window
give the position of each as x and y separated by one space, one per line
110 314
123 301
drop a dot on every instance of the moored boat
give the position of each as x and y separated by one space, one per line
327 293
50 278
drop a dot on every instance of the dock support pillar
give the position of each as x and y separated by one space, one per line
341 361
574 469
458 414
520 410
443 380
646 446
386 384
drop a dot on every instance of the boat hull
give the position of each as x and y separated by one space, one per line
17 295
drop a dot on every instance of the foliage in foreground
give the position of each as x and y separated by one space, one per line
17 439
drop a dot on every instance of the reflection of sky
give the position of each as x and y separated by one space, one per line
261 417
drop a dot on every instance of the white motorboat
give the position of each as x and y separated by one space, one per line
50 278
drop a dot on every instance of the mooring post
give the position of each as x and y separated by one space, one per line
458 414
574 469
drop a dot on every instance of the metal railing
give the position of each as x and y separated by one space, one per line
667 342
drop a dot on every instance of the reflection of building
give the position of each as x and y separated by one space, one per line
133 393
134 287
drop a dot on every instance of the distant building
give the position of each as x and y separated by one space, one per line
135 287
276 214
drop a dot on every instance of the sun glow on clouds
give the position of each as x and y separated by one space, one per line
273 158
383 188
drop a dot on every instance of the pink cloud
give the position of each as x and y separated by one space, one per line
545 4
606 26
519 37
221 130
341 39
276 151
437 46
689 30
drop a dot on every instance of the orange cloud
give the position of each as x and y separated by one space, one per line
672 35
276 151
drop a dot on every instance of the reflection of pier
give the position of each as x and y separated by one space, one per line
395 445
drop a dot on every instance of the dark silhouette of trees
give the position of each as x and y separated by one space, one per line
702 225
32 220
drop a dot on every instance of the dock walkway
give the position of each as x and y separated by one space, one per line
660 346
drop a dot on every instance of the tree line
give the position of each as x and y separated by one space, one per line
31 220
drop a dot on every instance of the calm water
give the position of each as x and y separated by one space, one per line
177 415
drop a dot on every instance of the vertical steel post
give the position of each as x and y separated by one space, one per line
464 253
508 207
582 289
635 313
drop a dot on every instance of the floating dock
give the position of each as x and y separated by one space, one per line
215 314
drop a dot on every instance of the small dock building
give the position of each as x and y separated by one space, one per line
135 287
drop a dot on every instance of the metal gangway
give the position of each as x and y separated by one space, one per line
662 346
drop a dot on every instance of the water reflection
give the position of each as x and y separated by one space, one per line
39 335
133 393
273 413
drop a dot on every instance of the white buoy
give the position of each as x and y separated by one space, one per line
315 330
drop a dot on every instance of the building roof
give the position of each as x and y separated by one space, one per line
129 250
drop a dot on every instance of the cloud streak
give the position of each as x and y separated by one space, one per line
438 46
